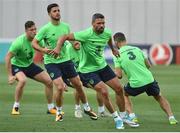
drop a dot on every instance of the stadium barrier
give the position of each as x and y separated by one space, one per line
4 46
159 54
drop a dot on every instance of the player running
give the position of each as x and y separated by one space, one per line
61 66
94 67
19 64
136 66
74 52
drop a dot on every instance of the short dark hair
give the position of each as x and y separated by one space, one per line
119 37
29 24
50 6
96 16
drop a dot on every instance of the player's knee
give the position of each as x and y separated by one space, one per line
105 94
60 88
103 91
49 83
158 97
119 90
22 81
78 85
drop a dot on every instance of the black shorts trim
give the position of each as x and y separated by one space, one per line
105 74
84 82
30 71
151 89
65 69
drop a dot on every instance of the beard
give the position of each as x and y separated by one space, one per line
100 30
56 18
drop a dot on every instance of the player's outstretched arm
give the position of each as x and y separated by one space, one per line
8 57
70 37
36 46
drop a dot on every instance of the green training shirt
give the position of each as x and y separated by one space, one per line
50 34
92 47
74 55
132 62
23 51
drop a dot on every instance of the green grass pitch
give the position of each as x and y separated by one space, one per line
33 108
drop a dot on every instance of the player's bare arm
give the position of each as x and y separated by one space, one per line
114 50
147 63
11 78
56 51
36 46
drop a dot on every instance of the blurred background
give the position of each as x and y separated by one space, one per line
153 25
